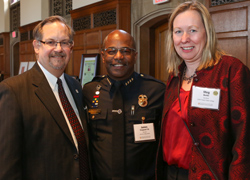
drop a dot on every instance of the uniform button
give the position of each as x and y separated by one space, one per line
192 124
196 144
76 156
119 111
196 79
194 169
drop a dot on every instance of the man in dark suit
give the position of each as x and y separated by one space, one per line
124 114
37 138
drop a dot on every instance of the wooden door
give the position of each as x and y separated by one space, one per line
160 52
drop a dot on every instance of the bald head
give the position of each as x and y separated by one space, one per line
118 33
119 55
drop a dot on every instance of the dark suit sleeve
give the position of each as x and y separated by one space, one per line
10 135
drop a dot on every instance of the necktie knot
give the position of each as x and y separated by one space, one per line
117 85
59 81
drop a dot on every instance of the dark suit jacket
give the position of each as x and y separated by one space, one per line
35 142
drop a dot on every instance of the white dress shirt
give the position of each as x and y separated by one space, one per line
52 80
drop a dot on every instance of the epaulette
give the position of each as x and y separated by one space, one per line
98 78
148 77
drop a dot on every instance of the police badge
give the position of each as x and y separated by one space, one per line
143 100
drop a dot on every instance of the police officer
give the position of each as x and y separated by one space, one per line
124 114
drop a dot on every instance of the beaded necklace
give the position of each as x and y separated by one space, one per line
188 79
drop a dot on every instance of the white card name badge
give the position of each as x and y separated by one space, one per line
144 132
206 98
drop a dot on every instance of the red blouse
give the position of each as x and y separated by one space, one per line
176 140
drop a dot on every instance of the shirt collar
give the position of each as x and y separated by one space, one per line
52 80
125 82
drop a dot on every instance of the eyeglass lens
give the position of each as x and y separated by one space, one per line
63 44
124 51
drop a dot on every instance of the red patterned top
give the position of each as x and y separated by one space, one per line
176 140
221 135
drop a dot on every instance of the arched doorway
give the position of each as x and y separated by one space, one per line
149 33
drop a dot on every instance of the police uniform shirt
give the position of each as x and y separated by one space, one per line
139 157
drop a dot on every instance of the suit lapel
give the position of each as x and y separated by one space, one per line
47 97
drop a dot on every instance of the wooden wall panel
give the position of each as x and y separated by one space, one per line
79 40
92 51
93 39
5 54
230 20
22 58
240 53
26 49
77 61
89 41
22 48
30 48
30 57
1 61
232 25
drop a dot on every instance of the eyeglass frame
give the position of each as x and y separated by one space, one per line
57 42
118 49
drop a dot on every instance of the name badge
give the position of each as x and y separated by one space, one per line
144 132
206 98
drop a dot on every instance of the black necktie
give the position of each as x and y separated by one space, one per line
118 133
78 131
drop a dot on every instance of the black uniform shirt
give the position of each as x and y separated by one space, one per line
139 157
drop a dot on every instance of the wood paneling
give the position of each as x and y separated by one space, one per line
77 61
93 39
26 50
230 20
1 61
79 40
5 55
89 41
241 52
232 25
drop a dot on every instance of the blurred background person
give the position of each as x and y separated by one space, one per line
206 117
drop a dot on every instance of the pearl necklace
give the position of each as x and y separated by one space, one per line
188 79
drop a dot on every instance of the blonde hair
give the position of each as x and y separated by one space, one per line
211 54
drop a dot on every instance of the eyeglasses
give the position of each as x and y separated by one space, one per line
63 44
111 51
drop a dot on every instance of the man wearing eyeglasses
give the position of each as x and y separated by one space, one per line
124 110
43 131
